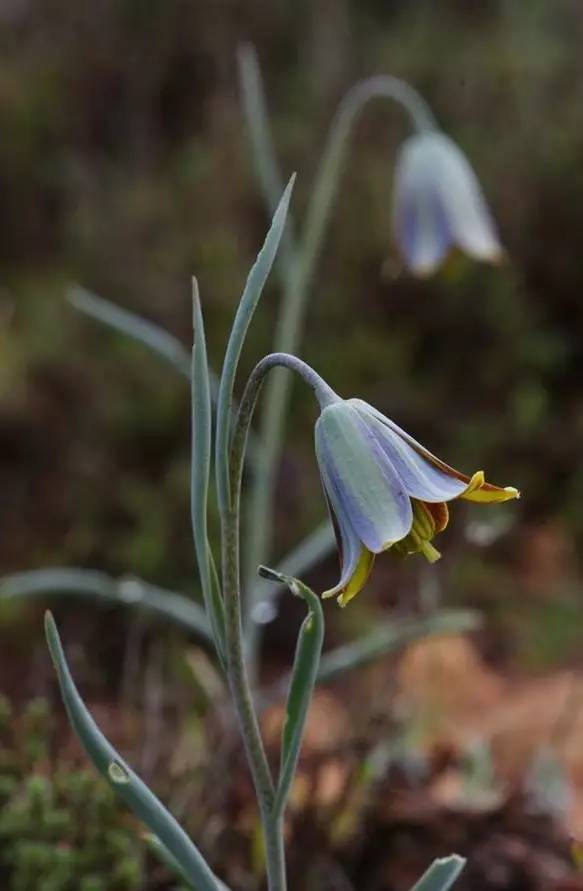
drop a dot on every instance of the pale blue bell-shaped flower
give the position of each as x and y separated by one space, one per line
439 205
384 489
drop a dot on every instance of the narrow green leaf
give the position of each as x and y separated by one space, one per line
251 294
127 591
441 874
153 336
301 687
387 638
166 858
199 477
263 153
123 780
391 636
150 335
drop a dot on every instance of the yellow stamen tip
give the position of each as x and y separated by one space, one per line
476 482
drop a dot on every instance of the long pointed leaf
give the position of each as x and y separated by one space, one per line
165 857
127 591
199 477
123 780
301 687
263 153
391 636
251 294
151 335
441 874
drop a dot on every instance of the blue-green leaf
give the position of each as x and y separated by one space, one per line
301 687
153 336
127 591
388 637
251 294
124 781
392 635
150 335
263 153
199 478
441 874
165 857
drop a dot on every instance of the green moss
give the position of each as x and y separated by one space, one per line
61 828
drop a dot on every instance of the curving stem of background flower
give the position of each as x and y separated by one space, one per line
438 204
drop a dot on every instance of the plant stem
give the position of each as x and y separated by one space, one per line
236 667
248 723
298 273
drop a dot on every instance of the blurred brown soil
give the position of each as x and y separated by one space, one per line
385 828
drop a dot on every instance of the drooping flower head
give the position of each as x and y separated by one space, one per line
438 205
385 490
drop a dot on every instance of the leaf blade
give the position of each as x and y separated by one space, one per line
201 420
262 150
126 591
301 687
247 306
132 325
125 782
392 635
441 874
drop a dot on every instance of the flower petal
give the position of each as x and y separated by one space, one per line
420 477
420 220
486 493
469 219
359 577
474 488
356 561
360 478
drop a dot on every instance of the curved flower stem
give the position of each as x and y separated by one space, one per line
298 273
236 668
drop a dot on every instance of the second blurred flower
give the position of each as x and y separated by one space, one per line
438 205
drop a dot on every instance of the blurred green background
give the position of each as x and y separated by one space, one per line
125 167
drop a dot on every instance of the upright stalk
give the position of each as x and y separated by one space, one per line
239 684
298 273
236 667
